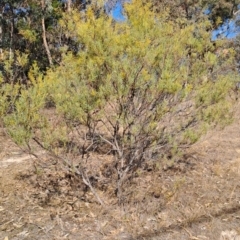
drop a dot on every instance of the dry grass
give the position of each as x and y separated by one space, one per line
197 197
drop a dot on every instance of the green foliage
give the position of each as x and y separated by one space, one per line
25 118
28 34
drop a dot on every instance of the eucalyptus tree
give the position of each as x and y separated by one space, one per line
24 36
218 10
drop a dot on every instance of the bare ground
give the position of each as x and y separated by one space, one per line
198 197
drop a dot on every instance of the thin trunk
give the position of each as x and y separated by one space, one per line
69 5
45 42
45 38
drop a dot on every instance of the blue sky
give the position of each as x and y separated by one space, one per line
117 12
228 29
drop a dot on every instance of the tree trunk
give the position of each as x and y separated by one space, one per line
45 42
69 5
44 37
